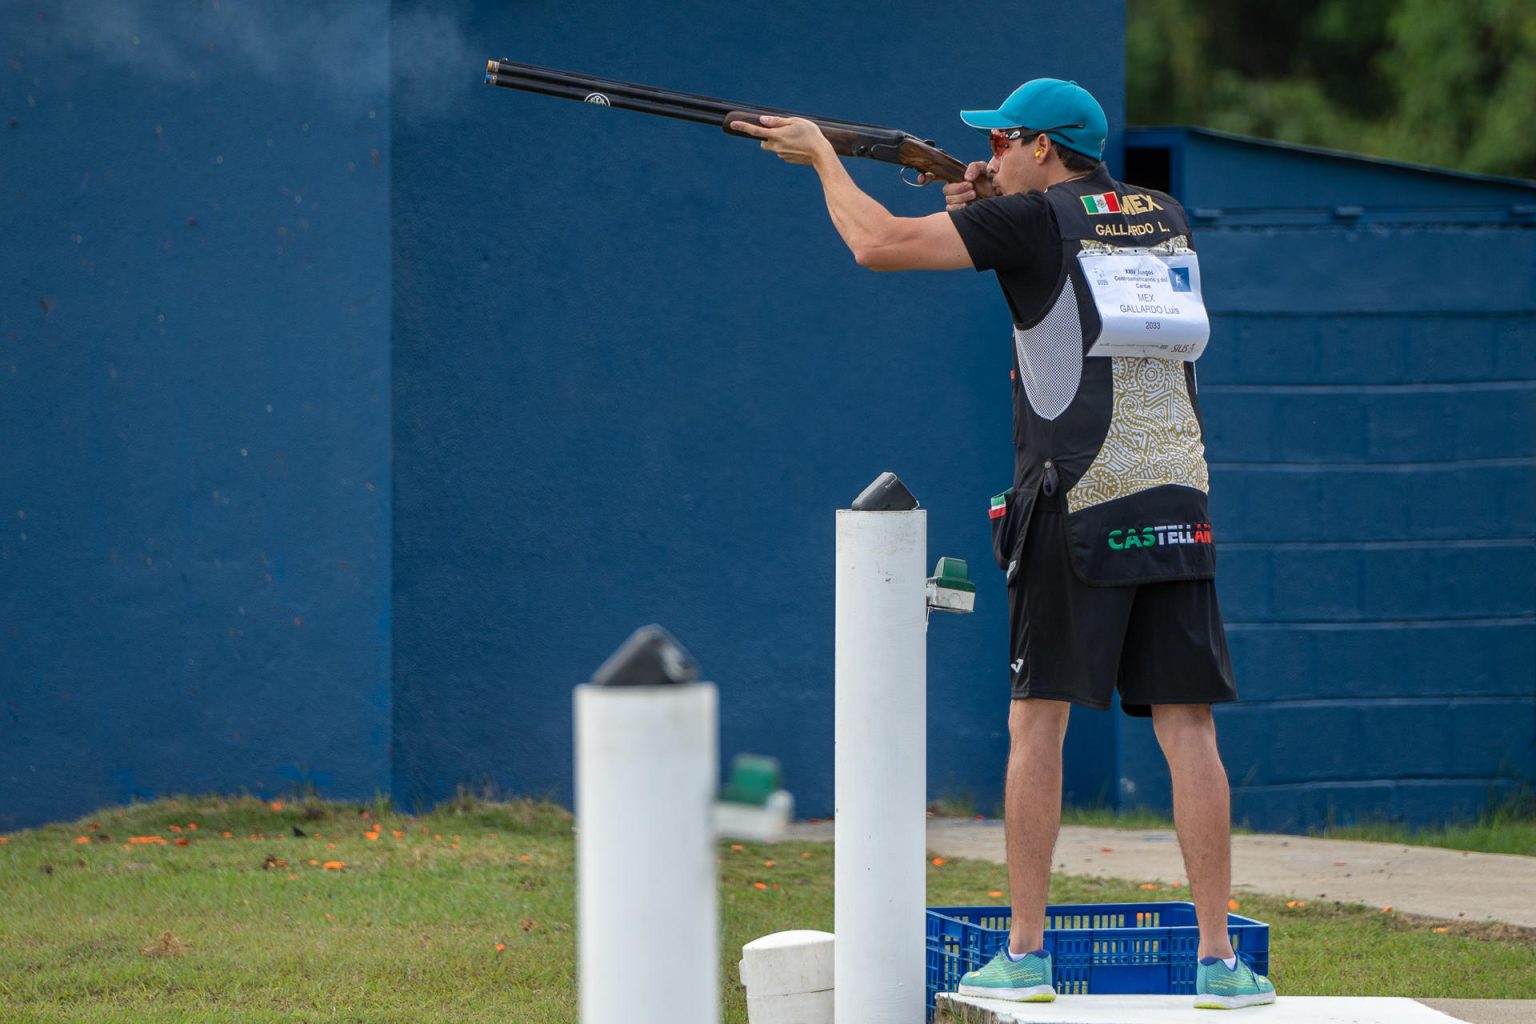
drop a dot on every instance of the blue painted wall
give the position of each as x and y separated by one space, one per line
636 372
194 396
1370 404
355 411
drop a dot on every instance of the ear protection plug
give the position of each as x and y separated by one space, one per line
1039 152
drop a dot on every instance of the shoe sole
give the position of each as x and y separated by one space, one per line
1034 994
1211 1002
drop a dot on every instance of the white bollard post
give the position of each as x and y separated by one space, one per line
881 765
647 765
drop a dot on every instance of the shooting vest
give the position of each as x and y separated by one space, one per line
1107 427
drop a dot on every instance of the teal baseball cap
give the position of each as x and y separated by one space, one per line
1065 111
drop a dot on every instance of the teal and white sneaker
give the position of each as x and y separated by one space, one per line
1027 980
1217 988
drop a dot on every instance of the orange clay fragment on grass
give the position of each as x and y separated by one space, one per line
759 885
175 828
737 847
371 836
1233 904
183 842
1148 885
82 839
192 826
500 946
767 863
142 840
996 894
1387 909
805 856
938 862
276 805
334 865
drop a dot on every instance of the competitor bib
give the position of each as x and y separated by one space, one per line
1149 303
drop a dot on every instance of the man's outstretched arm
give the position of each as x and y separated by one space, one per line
878 239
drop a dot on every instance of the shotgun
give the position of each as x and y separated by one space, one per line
848 138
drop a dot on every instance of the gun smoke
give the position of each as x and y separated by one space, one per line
340 50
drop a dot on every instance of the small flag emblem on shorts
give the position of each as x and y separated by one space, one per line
1106 202
999 506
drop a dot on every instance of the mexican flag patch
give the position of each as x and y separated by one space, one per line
999 506
1106 202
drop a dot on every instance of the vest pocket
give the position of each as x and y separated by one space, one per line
1010 521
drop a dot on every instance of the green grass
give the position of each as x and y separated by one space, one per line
408 930
1104 817
1510 828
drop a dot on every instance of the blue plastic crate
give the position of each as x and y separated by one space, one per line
1098 948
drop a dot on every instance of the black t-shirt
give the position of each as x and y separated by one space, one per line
1016 236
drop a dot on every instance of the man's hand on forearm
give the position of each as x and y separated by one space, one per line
793 139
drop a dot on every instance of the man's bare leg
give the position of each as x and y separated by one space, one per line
1032 813
1202 813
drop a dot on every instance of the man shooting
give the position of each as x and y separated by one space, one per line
1104 535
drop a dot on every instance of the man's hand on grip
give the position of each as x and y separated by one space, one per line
959 194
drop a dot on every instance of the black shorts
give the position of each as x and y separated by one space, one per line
1160 643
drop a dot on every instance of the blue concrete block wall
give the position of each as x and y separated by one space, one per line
194 396
355 411
1370 405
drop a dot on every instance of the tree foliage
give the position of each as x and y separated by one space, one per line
1451 84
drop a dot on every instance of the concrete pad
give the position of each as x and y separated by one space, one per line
1487 1011
1179 1010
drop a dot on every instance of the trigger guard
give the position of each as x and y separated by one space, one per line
902 174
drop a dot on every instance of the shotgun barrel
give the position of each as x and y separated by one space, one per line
849 138
532 78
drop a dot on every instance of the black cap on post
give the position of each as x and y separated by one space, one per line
650 657
886 494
